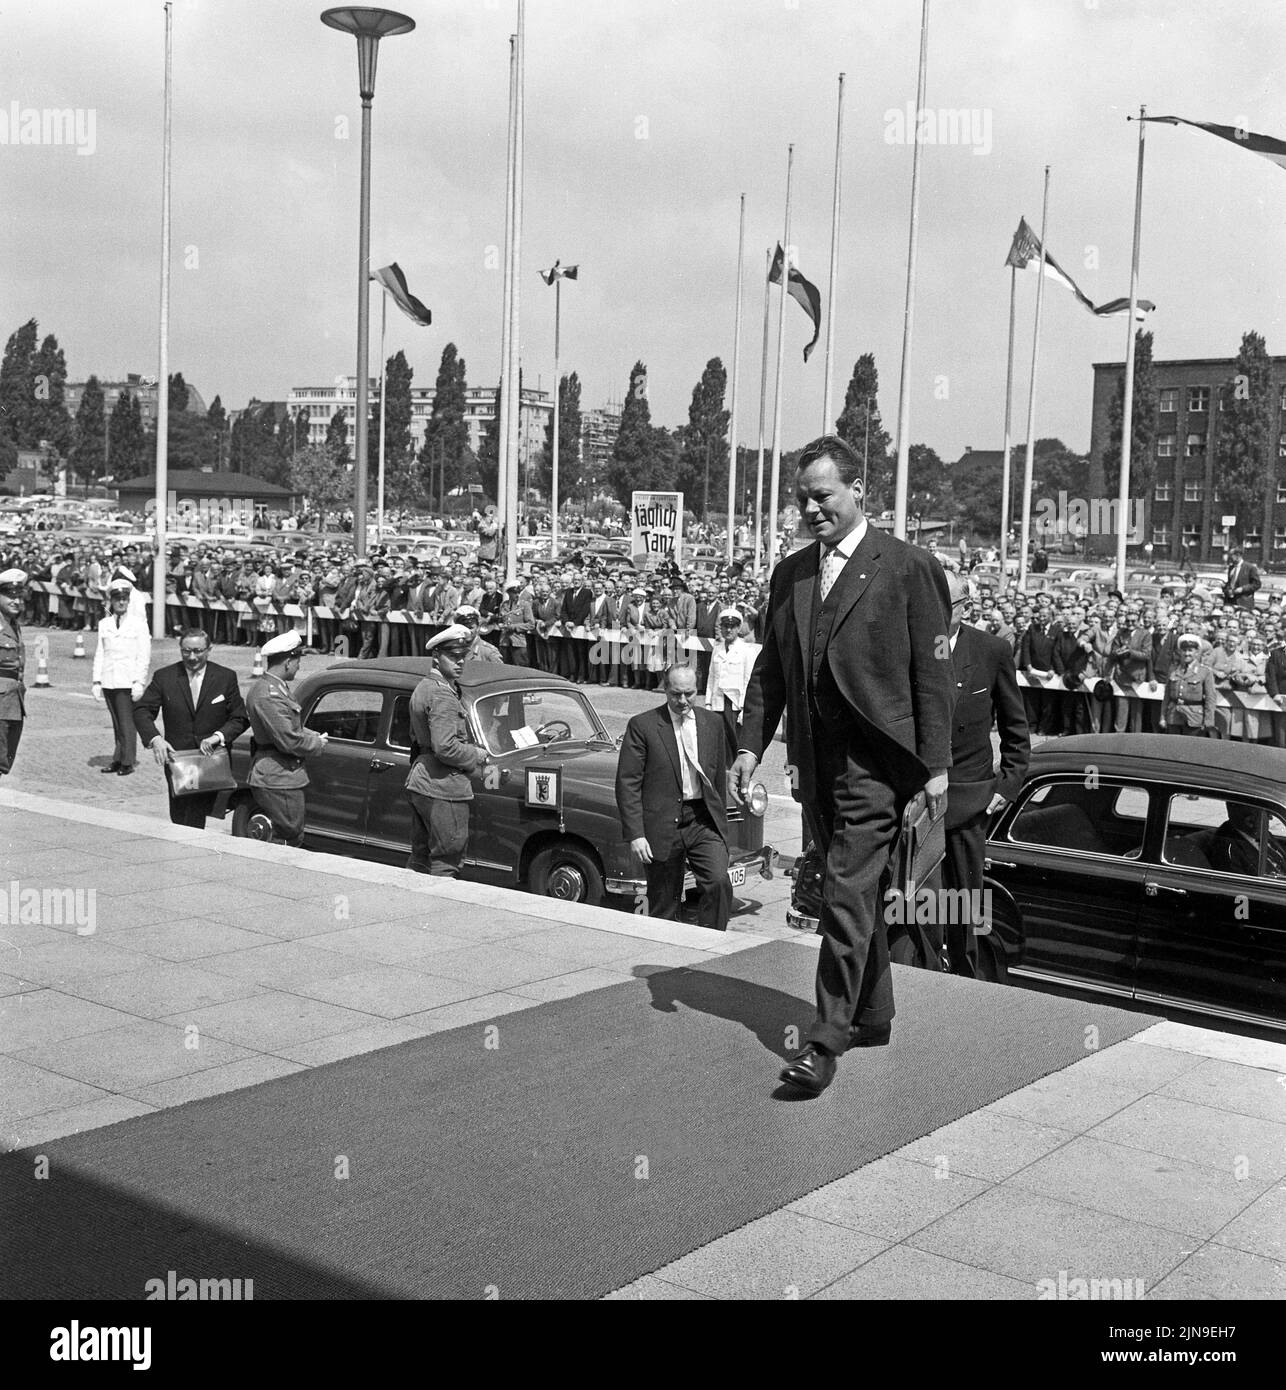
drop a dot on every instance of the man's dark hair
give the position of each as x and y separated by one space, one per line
195 632
831 446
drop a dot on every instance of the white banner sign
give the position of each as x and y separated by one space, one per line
656 527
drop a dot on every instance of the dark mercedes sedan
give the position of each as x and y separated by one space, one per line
544 814
1147 867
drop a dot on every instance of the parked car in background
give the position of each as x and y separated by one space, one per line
1148 869
544 817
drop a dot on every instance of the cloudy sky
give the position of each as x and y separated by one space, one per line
646 119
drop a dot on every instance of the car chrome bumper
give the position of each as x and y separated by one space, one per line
758 863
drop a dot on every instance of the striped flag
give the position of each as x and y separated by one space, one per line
1024 253
394 283
1265 145
559 272
803 292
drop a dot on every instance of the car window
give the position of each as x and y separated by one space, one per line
352 715
1107 818
399 729
1224 836
528 718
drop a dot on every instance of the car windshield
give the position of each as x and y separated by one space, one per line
531 718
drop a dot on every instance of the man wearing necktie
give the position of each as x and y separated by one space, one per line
856 654
671 787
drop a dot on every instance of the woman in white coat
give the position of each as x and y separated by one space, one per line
121 661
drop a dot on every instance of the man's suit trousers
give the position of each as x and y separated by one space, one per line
962 872
698 843
856 819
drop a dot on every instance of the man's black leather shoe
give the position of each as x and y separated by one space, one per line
111 767
872 1035
812 1070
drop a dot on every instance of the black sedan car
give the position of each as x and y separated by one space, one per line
544 815
1147 867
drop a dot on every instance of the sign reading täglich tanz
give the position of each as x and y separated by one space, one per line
656 527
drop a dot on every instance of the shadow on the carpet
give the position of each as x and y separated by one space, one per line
774 1017
68 1236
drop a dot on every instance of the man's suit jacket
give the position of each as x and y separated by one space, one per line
986 693
1036 647
875 661
1244 576
649 786
169 694
576 605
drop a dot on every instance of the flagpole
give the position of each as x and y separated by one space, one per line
736 361
1029 459
827 423
510 514
503 403
553 474
904 384
774 483
379 502
763 415
1005 481
163 379
1127 404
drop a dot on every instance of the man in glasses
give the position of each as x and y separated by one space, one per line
201 707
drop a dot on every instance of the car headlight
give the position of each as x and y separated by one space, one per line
758 799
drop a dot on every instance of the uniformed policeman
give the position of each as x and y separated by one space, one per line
280 742
445 758
13 587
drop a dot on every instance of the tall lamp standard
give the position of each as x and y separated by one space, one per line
368 27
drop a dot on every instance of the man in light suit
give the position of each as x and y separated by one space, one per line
671 787
856 654
201 706
986 693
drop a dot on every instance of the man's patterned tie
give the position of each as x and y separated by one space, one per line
832 562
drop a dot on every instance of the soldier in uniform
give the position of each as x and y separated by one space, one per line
444 757
279 740
467 616
13 589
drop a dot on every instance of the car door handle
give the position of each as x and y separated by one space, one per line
1152 889
998 864
380 765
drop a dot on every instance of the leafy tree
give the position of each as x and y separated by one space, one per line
17 393
178 393
1143 427
446 436
255 450
337 436
929 492
860 426
216 421
49 418
631 458
703 464
488 460
89 449
398 447
1243 454
976 484
126 439
569 456
322 478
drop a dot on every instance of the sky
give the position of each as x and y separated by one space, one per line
645 122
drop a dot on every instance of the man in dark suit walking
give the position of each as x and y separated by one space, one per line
856 654
201 706
1243 579
671 787
986 693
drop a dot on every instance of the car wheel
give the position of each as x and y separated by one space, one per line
251 823
991 962
568 874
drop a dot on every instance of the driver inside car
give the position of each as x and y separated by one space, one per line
1234 846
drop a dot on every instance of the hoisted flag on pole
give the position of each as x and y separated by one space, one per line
392 279
559 272
803 292
1265 145
1024 254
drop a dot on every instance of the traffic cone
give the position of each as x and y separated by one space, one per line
256 671
79 649
42 672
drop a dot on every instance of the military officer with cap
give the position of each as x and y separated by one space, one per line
467 616
13 584
279 740
444 757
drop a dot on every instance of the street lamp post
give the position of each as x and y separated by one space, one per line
368 27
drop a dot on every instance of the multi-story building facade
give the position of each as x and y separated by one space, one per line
142 387
320 403
598 431
1185 506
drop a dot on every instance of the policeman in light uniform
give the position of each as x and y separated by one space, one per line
280 742
13 584
731 662
445 758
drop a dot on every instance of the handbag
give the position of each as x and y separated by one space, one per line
194 773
